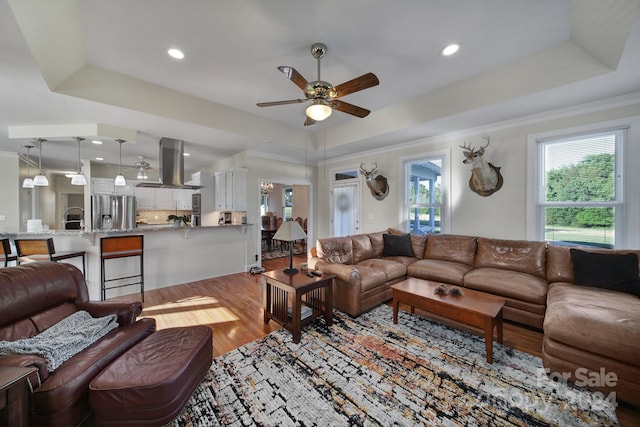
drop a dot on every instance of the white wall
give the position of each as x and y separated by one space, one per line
9 188
501 215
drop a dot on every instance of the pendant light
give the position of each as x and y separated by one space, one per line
40 180
28 181
78 178
120 181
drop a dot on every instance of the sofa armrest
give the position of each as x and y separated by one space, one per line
127 312
343 272
24 360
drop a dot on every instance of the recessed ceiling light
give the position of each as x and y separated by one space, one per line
175 53
95 141
186 154
450 49
99 158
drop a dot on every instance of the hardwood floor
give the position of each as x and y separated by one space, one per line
232 306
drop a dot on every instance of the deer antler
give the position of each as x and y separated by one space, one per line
488 138
464 147
366 172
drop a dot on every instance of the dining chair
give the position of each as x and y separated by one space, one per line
30 250
6 256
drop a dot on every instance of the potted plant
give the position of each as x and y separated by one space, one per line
178 219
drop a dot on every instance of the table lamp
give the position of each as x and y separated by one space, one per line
290 231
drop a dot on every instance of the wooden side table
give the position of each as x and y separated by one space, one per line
295 300
14 395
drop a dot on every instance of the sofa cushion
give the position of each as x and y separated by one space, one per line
370 277
439 271
335 249
392 269
595 320
448 247
518 255
507 283
418 243
616 272
377 243
361 247
560 266
397 245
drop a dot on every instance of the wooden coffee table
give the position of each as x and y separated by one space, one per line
295 300
473 308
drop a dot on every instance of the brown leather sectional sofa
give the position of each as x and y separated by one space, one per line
35 296
588 331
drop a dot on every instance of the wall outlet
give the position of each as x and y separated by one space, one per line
4 218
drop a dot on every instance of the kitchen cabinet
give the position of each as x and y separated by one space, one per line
231 190
182 199
163 198
107 186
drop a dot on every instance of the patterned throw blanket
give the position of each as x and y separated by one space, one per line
63 340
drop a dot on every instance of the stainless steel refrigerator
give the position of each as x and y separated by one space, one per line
111 212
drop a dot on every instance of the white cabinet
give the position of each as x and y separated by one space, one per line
107 186
163 198
231 190
145 198
182 199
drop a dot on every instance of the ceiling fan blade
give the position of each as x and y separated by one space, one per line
271 104
345 107
359 83
294 76
309 121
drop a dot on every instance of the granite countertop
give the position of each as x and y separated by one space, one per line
140 228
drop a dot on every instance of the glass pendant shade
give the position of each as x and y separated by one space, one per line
28 181
78 178
319 110
40 180
120 181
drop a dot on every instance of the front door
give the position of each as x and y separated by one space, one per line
345 210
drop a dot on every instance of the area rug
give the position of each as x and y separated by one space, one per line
276 253
366 371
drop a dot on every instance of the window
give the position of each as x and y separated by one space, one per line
580 188
287 203
424 193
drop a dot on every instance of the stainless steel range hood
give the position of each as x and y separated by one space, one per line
171 166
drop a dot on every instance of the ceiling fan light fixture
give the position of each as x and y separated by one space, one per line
319 110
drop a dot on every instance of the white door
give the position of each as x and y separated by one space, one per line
345 200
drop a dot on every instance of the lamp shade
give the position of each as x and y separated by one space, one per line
290 231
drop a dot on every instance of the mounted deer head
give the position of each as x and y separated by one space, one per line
378 185
486 178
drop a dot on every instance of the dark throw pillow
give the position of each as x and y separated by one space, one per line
616 272
397 245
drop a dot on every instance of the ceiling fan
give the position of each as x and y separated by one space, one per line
324 95
142 166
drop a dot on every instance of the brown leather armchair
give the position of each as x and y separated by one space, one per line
34 297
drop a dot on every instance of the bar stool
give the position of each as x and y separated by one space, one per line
121 247
43 250
6 256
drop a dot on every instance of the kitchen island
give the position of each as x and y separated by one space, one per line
171 255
